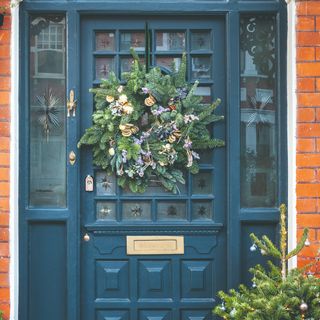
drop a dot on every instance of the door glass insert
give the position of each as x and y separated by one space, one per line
201 40
47 135
169 63
201 68
105 184
172 210
203 183
258 111
134 40
106 210
104 66
170 41
136 210
202 210
105 41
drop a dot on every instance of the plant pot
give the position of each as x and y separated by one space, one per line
1 19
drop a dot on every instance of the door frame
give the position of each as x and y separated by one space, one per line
236 217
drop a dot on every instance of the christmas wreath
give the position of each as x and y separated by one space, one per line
151 128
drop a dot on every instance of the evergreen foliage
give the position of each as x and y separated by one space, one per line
150 127
276 293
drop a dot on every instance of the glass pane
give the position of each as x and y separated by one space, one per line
201 40
205 157
170 41
134 40
202 183
104 66
47 111
172 210
202 210
205 92
105 41
106 210
169 62
127 62
201 68
105 184
136 210
258 111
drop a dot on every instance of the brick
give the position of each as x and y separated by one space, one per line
306 145
5 308
318 84
4 189
4 36
306 175
4 221
4 264
306 205
7 22
308 8
4 280
317 145
4 113
4 204
4 143
305 23
310 251
308 39
303 114
308 130
4 294
4 249
308 190
308 220
4 82
5 67
4 51
4 174
4 159
308 160
305 84
5 129
4 235
308 69
4 98
317 53
306 54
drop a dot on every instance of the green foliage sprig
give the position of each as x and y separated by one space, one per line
151 128
276 293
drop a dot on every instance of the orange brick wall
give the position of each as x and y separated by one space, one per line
308 126
4 160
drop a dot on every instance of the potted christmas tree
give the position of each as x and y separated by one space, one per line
276 292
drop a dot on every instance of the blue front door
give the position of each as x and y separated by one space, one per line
115 282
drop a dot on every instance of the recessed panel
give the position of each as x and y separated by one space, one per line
196 315
113 315
155 279
197 279
112 279
155 315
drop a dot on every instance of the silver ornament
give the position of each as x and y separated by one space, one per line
253 248
233 313
303 307
263 252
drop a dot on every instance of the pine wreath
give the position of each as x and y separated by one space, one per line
153 126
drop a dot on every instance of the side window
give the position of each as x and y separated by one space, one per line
259 107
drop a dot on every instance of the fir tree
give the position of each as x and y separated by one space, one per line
277 293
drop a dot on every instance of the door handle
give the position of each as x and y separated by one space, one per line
71 104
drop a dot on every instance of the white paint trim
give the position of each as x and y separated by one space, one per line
14 167
292 124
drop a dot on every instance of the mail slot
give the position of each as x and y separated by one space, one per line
139 245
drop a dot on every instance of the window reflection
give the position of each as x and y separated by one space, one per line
47 111
258 111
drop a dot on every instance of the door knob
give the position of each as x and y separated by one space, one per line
86 237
